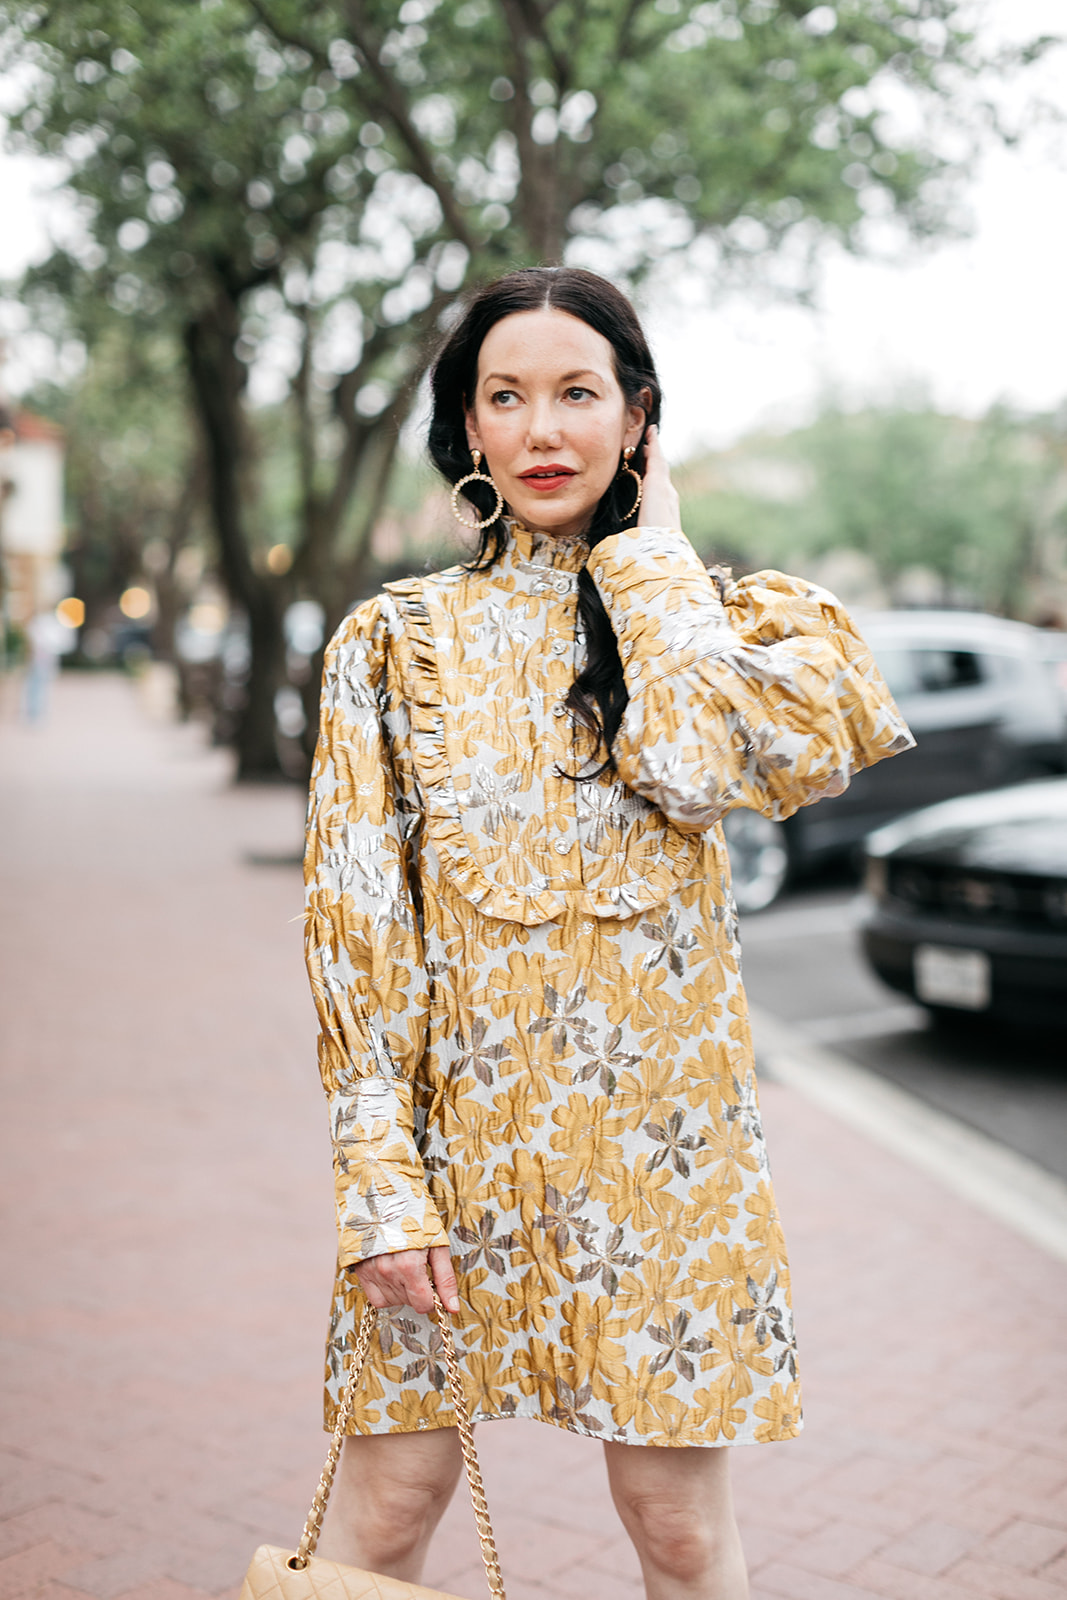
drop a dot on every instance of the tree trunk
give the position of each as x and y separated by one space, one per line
171 597
217 377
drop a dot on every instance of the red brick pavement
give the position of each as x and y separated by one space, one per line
168 1234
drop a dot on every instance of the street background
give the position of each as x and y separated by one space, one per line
168 1238
233 234
803 964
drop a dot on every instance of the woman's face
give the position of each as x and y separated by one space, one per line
550 418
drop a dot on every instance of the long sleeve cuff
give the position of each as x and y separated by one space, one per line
769 700
663 604
383 1204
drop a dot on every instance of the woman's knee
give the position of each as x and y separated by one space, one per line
398 1518
400 1494
412 1497
676 1536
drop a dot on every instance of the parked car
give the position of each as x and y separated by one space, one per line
978 695
969 904
1052 648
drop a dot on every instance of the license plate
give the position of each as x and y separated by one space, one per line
949 977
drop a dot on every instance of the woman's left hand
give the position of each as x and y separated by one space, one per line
660 507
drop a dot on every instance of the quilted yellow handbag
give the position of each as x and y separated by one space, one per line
301 1575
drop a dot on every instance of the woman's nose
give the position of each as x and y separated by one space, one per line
543 431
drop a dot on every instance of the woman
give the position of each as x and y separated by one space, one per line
523 951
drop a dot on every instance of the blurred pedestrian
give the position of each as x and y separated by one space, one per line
524 954
47 640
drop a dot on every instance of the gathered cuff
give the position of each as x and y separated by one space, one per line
767 698
663 604
383 1201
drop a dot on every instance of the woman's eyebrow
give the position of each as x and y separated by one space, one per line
568 377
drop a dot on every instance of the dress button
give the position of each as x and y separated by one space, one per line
559 710
562 847
559 648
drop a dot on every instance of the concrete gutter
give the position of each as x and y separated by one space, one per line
1008 1186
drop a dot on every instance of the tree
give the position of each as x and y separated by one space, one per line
205 195
913 488
325 177
134 480
566 120
976 503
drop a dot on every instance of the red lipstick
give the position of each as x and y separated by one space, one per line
550 476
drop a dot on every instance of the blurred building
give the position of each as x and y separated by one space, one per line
32 573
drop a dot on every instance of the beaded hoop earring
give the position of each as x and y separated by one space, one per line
477 477
636 476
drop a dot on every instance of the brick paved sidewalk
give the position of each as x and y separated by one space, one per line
168 1235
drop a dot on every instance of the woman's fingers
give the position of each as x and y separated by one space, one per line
444 1277
659 504
400 1279
654 456
656 466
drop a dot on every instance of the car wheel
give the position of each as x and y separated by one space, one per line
759 858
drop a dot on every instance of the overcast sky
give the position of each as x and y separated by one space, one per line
969 322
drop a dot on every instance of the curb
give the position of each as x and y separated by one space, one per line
1009 1187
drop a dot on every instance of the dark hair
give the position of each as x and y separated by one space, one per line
598 695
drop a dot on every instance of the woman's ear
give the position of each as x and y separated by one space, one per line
637 422
474 438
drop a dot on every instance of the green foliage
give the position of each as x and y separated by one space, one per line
293 194
132 469
517 114
360 158
176 120
974 503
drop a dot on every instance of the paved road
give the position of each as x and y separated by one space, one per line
802 963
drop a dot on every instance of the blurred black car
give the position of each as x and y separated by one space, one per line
969 908
985 709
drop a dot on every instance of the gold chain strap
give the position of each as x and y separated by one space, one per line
470 1458
313 1526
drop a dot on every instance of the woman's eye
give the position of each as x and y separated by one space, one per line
503 397
576 392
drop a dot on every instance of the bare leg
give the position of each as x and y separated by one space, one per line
390 1494
677 1507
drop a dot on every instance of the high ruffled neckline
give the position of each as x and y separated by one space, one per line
569 551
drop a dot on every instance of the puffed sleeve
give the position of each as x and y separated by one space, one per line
364 955
766 698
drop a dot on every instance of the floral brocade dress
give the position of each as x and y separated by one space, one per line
534 1036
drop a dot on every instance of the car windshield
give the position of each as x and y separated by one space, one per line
922 671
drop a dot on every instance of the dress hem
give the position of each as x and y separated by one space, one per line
535 1414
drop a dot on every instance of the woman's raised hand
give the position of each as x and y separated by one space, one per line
402 1279
660 506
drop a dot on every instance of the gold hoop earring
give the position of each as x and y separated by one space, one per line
636 476
476 477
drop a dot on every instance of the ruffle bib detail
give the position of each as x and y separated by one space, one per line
654 859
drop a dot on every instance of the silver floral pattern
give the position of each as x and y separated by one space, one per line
533 1032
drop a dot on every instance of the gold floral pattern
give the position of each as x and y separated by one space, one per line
534 1037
